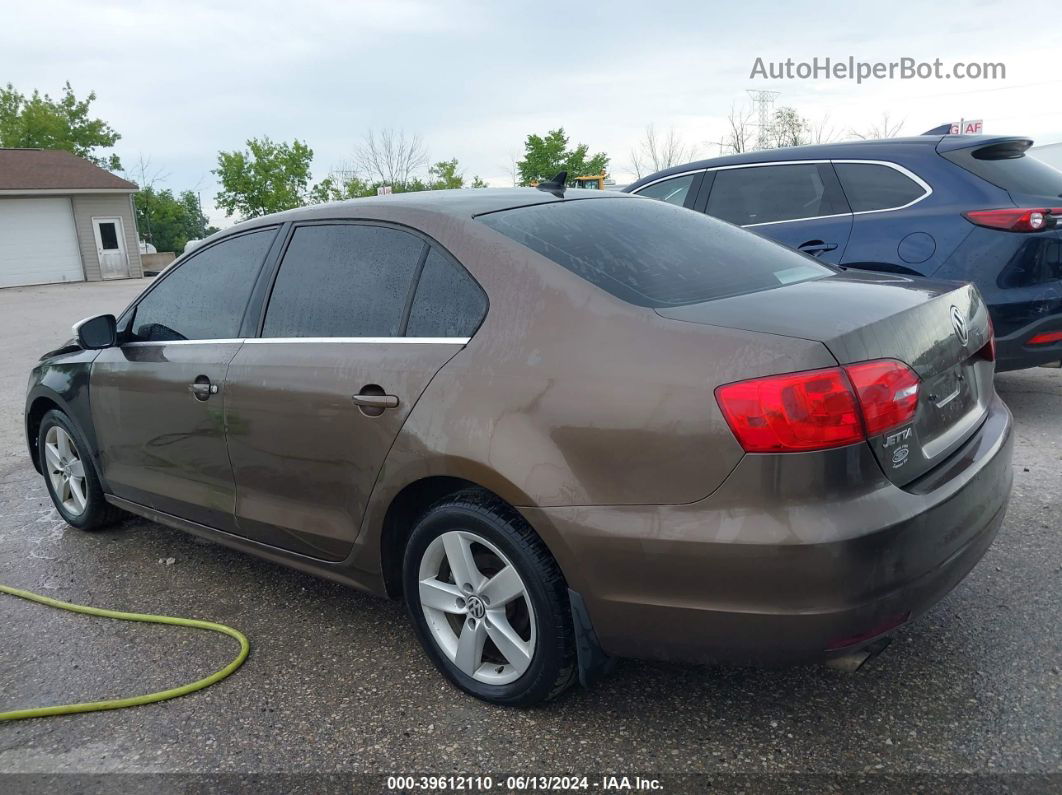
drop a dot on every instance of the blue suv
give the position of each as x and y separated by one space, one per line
965 208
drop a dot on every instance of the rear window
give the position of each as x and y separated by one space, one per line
768 194
870 187
1010 169
653 254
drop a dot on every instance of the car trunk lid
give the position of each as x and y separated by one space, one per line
938 329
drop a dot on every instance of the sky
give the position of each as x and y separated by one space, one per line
182 80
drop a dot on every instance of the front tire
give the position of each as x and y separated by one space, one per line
70 476
488 602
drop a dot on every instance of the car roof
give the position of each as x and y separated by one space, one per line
461 203
862 149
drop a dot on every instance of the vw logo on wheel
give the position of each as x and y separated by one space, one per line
958 322
476 608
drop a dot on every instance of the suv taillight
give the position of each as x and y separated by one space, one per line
1046 338
819 409
1016 219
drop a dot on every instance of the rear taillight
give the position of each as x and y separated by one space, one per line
988 350
887 391
812 410
819 409
1045 338
1016 219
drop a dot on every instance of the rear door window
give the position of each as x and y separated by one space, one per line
672 191
343 280
653 254
448 302
768 194
872 186
204 297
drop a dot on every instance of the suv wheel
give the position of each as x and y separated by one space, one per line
488 602
70 476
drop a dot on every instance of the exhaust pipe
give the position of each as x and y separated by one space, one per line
852 661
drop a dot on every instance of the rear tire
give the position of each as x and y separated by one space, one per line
516 650
70 475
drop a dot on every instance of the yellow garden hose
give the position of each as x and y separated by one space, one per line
149 698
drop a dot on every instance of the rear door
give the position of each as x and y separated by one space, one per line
895 229
158 398
360 319
800 205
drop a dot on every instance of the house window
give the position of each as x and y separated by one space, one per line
109 236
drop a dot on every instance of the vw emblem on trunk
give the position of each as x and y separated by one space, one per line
958 322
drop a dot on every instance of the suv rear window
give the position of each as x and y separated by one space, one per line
870 186
1009 168
653 254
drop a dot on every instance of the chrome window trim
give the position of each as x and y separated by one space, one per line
887 163
809 218
274 340
672 176
148 343
365 340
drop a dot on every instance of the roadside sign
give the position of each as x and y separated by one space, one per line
967 127
384 190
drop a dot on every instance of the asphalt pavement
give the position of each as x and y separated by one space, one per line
336 682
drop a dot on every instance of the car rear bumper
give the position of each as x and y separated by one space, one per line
799 574
1012 352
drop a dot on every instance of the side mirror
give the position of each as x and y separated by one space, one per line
94 333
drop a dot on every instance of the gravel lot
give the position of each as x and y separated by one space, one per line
336 682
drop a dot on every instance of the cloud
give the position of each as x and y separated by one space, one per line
182 81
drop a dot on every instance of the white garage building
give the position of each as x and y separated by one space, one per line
64 219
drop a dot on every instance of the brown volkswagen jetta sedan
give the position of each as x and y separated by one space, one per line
562 427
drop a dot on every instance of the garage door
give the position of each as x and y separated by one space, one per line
38 244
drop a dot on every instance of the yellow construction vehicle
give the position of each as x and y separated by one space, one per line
595 182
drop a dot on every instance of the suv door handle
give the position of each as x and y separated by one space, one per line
816 247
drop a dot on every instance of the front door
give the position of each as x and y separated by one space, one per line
158 398
110 247
315 404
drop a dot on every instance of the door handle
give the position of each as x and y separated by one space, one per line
202 389
816 247
372 400
376 401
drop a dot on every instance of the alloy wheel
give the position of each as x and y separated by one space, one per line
66 471
477 607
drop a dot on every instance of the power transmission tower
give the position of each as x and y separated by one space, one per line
763 102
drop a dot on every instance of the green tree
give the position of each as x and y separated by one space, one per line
444 175
788 128
546 156
168 222
266 178
65 123
335 188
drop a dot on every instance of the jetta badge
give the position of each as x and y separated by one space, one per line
958 322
